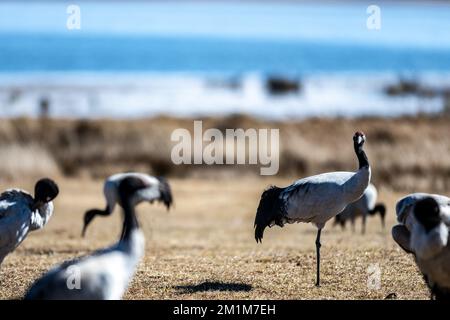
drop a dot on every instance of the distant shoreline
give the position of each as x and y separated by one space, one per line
272 96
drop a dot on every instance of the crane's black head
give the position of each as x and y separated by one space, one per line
427 212
358 139
358 142
45 190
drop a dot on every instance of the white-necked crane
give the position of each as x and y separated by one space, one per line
366 206
423 230
105 274
157 189
314 199
20 213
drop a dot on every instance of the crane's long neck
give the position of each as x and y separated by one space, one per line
354 187
130 221
132 241
41 215
362 157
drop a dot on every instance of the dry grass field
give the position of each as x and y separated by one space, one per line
204 248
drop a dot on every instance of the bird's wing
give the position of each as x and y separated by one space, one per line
309 198
95 274
15 215
158 190
12 200
48 284
402 236
347 213
352 210
51 282
112 183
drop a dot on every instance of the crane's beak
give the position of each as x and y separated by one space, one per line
83 232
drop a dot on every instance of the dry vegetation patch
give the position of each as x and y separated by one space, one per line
204 248
406 154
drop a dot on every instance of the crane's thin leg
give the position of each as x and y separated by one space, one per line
363 229
318 257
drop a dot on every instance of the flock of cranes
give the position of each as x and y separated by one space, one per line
106 273
422 230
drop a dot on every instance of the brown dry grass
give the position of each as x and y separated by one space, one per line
204 248
406 154
26 160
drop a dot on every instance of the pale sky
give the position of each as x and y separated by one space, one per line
418 25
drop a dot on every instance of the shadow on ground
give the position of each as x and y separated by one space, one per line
213 286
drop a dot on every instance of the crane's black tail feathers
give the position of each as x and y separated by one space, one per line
339 220
379 208
270 211
165 192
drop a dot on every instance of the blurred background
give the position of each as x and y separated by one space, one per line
106 97
80 104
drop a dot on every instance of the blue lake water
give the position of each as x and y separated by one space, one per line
144 58
50 52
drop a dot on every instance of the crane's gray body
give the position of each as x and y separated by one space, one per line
17 219
319 198
362 206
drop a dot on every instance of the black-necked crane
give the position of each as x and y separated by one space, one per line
405 217
105 274
21 213
366 206
314 199
157 189
423 230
